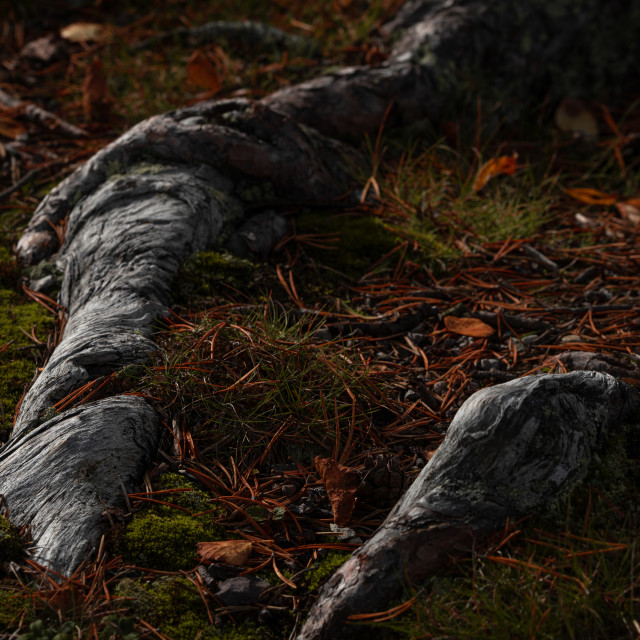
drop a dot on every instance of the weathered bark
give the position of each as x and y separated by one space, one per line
62 475
511 449
176 184
145 210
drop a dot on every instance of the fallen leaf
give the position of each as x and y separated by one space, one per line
85 31
10 128
202 72
629 211
468 327
94 91
233 552
495 166
573 116
341 484
591 196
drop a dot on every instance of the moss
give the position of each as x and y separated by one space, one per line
12 606
9 271
174 606
203 274
164 537
164 541
195 500
326 567
17 366
11 544
362 240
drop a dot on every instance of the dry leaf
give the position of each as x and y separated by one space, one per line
202 72
629 211
341 484
94 92
468 327
591 196
10 128
234 552
573 116
494 167
84 32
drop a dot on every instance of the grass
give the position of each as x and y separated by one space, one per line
233 379
579 581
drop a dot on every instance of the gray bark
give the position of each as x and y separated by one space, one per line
62 475
511 450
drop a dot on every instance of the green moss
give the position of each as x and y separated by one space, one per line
18 360
164 541
361 240
11 544
326 567
195 499
203 274
174 606
12 605
164 537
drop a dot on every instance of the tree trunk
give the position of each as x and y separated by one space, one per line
171 187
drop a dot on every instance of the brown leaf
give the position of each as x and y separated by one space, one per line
591 196
629 211
202 72
468 327
494 167
94 91
341 484
234 552
85 31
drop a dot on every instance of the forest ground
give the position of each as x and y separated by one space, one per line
478 253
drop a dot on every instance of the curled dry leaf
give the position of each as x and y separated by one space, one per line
233 552
504 164
202 72
468 327
341 484
85 32
591 196
630 211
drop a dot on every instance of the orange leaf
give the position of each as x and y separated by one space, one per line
10 128
234 552
94 91
468 327
494 167
591 196
341 484
202 72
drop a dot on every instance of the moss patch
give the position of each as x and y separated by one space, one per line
361 240
11 544
164 543
203 275
19 357
326 567
165 537
174 606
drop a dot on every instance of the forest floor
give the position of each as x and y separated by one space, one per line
477 254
